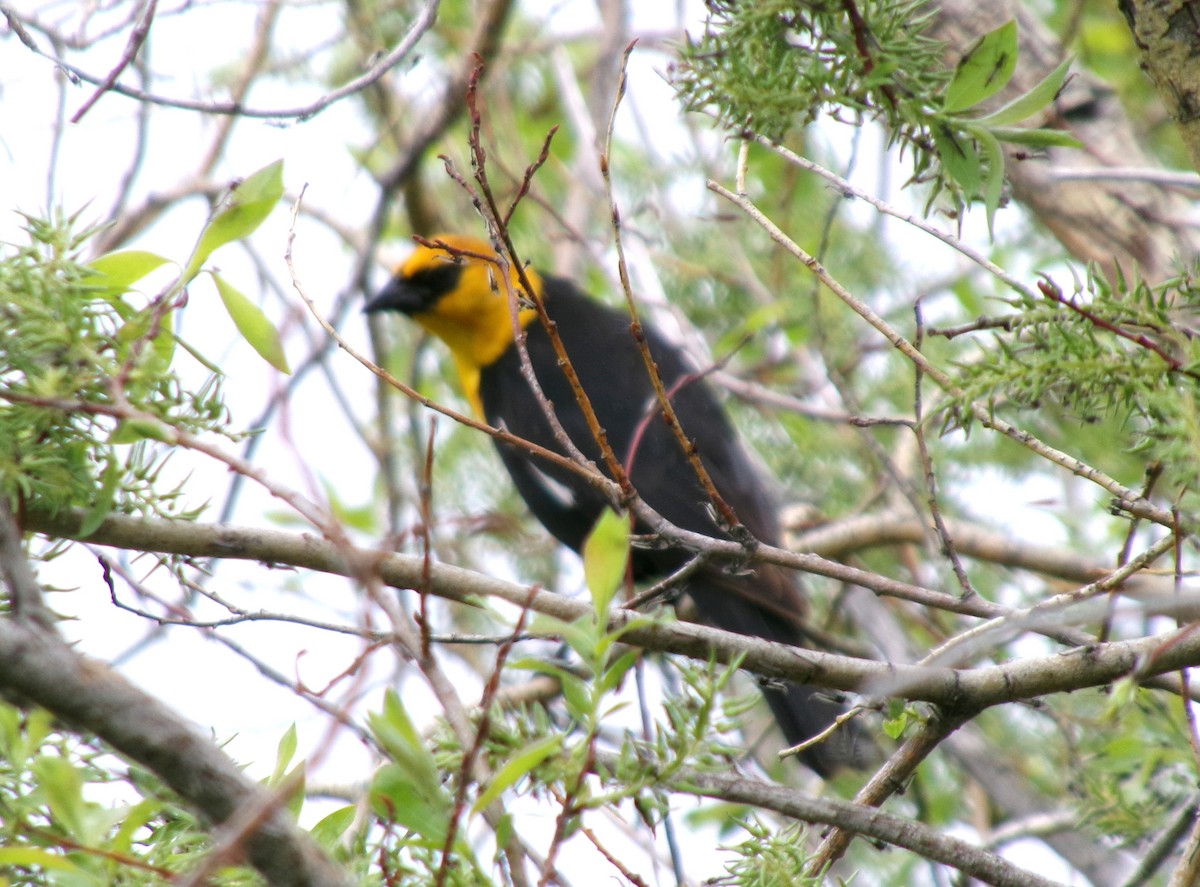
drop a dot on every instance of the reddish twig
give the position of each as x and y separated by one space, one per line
1051 291
136 38
468 762
527 179
500 232
728 519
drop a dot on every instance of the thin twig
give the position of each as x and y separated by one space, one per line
422 23
136 38
727 519
1126 499
931 487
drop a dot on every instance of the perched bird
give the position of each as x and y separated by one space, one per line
457 295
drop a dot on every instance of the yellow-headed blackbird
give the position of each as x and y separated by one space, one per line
454 294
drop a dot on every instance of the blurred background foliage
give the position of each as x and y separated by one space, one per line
825 403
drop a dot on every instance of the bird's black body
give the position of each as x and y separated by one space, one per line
611 370
765 603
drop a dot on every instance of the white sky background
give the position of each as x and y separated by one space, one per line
201 679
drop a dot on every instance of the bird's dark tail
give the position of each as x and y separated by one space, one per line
802 712
721 600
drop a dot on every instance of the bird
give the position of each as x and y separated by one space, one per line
451 286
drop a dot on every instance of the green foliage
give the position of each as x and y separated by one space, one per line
774 66
968 140
409 790
253 324
246 207
770 857
1116 353
769 68
1135 768
53 832
73 346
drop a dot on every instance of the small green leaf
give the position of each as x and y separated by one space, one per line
580 634
164 343
1035 138
504 830
132 821
516 767
328 830
253 325
1026 105
246 208
1122 693
959 157
615 673
133 430
284 753
574 689
984 70
119 271
395 731
138 327
63 788
103 505
994 187
605 555
296 779
409 790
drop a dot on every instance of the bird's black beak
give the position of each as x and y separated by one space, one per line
418 291
399 295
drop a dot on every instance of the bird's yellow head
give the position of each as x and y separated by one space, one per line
456 292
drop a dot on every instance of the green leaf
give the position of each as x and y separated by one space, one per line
119 271
132 821
516 767
138 327
605 555
253 325
133 430
959 157
581 634
1028 104
63 788
894 728
409 790
246 208
398 797
574 688
284 753
328 830
615 673
11 857
994 187
297 778
103 505
1035 138
984 70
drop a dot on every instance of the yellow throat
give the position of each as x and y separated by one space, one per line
474 318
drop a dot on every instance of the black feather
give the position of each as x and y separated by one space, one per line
767 603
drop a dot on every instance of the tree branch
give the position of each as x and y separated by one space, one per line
1091 665
38 667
